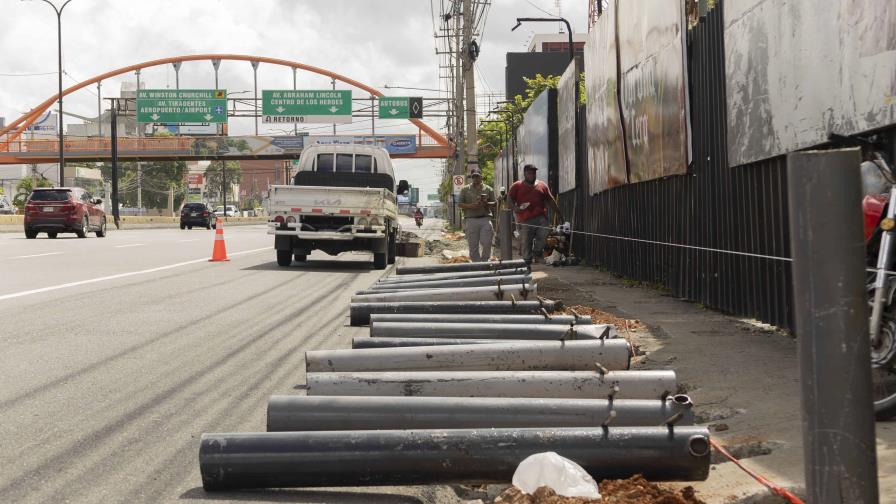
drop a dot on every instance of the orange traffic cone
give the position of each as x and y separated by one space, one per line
219 253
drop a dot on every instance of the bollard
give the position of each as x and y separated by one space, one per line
419 457
452 268
360 312
831 318
491 331
510 281
505 234
362 342
558 384
452 276
424 318
499 293
303 413
613 354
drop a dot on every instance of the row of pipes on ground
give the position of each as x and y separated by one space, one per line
465 373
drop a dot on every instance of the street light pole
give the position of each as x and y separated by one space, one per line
59 61
255 96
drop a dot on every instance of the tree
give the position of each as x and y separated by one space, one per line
24 189
213 182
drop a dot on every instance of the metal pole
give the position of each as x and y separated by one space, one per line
364 342
445 268
216 63
419 457
333 83
491 331
176 66
831 322
612 354
452 276
372 116
59 61
557 384
296 125
255 97
505 293
99 108
360 312
289 413
505 234
113 132
480 319
450 284
139 164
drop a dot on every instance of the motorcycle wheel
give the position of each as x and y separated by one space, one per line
883 372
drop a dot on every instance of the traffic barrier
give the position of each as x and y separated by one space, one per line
335 413
419 457
557 384
612 354
219 252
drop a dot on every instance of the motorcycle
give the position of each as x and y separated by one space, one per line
879 213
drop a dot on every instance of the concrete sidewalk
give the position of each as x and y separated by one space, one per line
742 376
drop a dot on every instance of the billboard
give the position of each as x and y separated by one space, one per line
394 144
528 64
567 100
796 72
606 148
653 87
47 123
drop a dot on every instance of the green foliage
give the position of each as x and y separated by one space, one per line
24 188
213 181
158 179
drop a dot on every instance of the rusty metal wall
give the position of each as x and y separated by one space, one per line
657 231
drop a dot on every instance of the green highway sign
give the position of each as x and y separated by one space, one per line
400 107
432 197
182 106
306 106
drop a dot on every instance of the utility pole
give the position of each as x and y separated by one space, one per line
468 53
460 158
99 108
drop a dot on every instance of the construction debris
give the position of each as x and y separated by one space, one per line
634 490
599 316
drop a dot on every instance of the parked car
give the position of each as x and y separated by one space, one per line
6 207
231 211
57 210
196 214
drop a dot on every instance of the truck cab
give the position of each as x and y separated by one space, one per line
342 199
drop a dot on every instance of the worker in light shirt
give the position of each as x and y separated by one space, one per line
530 198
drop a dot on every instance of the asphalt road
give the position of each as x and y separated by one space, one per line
117 353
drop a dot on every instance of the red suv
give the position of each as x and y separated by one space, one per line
64 210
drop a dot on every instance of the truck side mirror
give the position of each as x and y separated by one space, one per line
403 187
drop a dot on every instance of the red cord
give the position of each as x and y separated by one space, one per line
791 498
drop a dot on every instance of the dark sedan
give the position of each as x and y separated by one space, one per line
196 214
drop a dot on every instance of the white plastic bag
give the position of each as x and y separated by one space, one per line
564 476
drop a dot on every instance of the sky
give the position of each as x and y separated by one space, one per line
388 42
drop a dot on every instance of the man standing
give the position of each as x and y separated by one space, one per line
529 199
477 200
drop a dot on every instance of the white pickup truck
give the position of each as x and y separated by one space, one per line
342 199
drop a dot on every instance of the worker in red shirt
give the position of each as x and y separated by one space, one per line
530 198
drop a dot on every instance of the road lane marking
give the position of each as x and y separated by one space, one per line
185 241
120 275
36 255
131 245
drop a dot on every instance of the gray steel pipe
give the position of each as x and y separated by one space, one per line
490 331
452 268
612 354
457 318
557 384
452 276
362 342
510 281
360 312
304 413
498 293
419 457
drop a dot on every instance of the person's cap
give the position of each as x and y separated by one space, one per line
530 167
475 172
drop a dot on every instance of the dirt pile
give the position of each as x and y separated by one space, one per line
455 259
634 490
602 317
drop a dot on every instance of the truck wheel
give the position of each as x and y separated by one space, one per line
301 257
379 260
392 248
284 257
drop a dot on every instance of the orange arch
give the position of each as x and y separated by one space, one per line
27 119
